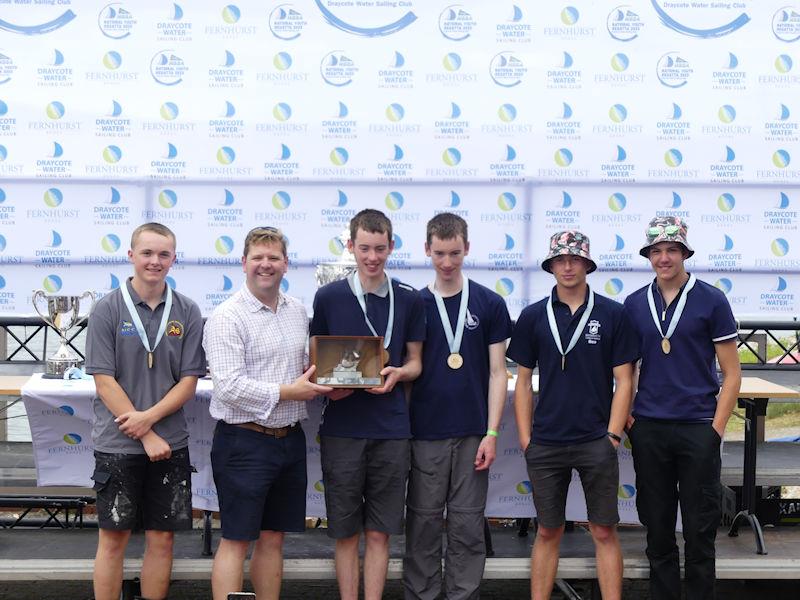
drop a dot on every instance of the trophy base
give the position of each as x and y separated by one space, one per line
56 367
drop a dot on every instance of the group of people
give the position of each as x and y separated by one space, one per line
416 451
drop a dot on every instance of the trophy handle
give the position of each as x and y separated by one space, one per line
85 318
37 294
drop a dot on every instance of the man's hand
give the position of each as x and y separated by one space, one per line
155 446
135 423
302 389
391 376
524 442
487 452
629 423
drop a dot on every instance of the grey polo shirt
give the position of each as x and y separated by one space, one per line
113 348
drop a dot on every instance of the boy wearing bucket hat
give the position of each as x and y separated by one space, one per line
584 347
680 412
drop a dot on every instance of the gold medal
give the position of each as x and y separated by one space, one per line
455 360
149 360
665 345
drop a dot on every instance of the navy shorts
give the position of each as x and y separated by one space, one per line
550 469
133 492
260 479
365 484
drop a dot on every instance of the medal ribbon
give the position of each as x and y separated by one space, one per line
551 318
359 293
676 316
137 320
453 339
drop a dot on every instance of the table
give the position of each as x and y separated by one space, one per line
754 395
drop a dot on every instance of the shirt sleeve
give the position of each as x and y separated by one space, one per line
723 324
225 349
193 358
523 348
501 321
100 342
626 342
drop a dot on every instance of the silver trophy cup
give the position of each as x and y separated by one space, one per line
63 313
328 272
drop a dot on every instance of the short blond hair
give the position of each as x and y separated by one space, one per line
264 235
153 227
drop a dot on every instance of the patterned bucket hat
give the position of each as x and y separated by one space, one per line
666 229
569 242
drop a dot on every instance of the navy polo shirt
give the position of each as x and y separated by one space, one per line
682 385
337 312
445 402
574 405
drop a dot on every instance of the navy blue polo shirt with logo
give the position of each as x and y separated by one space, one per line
574 404
337 312
449 403
682 385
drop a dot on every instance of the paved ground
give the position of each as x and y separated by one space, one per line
491 590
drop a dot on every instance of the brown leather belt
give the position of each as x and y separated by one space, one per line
277 432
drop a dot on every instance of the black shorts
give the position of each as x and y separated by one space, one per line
260 479
550 469
133 492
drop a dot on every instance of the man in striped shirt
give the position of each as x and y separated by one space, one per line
255 342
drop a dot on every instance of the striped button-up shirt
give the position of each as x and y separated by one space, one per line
251 351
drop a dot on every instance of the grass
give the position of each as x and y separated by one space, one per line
747 356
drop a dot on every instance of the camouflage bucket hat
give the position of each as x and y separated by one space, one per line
569 242
666 229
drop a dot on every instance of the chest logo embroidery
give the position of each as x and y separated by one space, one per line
593 332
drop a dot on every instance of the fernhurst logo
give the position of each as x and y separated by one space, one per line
504 286
779 247
112 60
626 491
336 246
617 202
112 154
52 283
673 158
167 198
110 242
286 22
223 245
167 68
698 21
726 202
623 23
786 24
673 70
563 157
726 113
337 69
115 21
226 155
781 159
507 113
339 156
618 113
319 486
394 200
67 409
345 23
282 61
38 29
569 15
506 201
451 62
613 286
724 284
524 487
73 439
282 112
53 197
620 62
169 111
54 110
783 64
451 157
231 14
455 23
281 200
395 112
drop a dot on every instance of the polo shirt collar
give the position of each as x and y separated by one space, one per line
554 296
382 291
137 299
253 304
